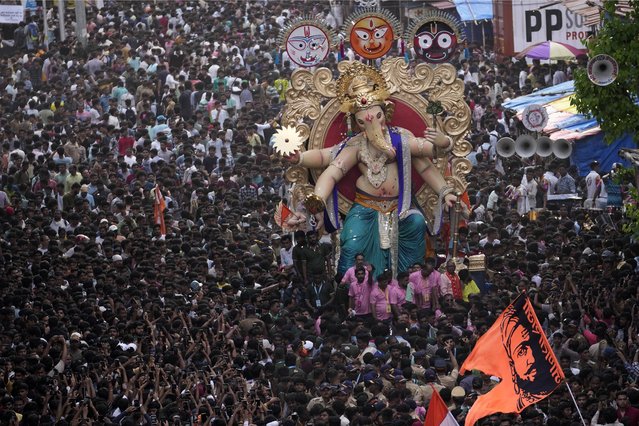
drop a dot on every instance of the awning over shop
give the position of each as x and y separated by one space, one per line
564 122
591 10
474 10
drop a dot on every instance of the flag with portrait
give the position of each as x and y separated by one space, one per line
515 350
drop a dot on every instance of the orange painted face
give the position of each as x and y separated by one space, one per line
372 37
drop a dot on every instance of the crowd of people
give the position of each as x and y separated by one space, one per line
216 316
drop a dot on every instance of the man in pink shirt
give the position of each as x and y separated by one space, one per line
398 293
349 277
359 294
425 285
380 298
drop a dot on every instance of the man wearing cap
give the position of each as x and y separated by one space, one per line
458 395
430 378
160 127
374 388
325 400
84 195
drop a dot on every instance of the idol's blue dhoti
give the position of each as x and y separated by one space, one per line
361 233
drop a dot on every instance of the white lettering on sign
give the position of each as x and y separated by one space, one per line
10 14
532 25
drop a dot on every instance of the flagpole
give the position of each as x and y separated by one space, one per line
575 402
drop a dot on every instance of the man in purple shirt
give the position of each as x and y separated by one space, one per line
359 294
425 284
380 298
349 276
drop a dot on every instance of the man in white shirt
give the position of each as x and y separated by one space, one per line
491 237
129 158
531 188
550 179
219 114
596 196
170 81
523 76
286 254
212 71
559 76
493 199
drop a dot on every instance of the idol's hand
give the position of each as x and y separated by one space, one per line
450 200
294 158
296 220
319 223
437 138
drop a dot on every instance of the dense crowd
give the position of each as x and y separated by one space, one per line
218 317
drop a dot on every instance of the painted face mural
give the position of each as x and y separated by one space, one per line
435 42
372 37
307 45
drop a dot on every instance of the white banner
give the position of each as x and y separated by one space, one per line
532 25
10 14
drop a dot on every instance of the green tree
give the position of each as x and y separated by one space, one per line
613 106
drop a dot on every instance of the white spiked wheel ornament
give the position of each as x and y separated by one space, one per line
287 141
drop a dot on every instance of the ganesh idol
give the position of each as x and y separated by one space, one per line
384 223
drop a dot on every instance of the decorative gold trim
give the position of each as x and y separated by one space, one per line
314 105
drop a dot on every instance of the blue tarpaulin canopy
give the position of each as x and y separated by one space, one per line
474 10
565 122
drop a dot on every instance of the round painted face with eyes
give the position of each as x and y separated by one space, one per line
435 42
372 37
307 45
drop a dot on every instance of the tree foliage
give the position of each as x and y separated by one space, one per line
613 106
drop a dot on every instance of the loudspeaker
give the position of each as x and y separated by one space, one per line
505 147
602 70
562 148
525 146
544 146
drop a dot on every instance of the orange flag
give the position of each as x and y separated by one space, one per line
281 214
516 350
158 209
438 413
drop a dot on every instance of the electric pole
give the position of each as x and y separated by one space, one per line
61 19
46 24
81 22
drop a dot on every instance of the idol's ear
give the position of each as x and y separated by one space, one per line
389 110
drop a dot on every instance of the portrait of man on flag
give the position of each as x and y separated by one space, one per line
515 350
523 341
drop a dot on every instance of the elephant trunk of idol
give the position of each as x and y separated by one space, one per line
375 135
